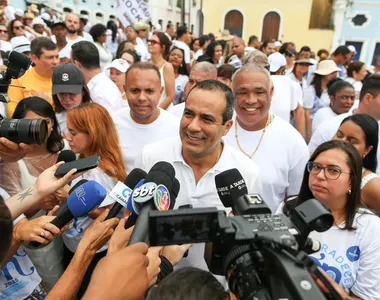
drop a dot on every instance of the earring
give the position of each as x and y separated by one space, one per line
363 156
349 192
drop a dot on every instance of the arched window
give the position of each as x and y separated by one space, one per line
233 21
271 26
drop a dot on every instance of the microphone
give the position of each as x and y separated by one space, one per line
233 192
122 191
66 156
82 200
154 193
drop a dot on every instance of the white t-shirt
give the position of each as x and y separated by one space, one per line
204 193
285 98
105 92
73 236
65 51
142 51
105 56
78 39
177 110
325 113
326 131
19 277
133 136
180 83
87 36
352 258
281 157
62 121
313 102
185 48
357 86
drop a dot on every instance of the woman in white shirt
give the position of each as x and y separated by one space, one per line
215 51
342 96
356 72
177 59
69 91
92 132
362 131
99 34
350 249
158 46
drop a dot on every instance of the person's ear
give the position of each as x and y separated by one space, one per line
227 127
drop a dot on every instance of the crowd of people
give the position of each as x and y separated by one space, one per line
294 124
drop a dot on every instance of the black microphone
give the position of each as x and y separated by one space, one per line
154 193
121 192
66 156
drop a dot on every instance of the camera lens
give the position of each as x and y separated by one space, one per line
24 131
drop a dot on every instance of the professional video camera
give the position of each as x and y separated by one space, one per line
260 254
19 131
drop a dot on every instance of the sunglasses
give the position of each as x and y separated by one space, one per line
3 31
19 27
153 42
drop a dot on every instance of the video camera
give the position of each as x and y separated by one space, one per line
19 131
260 254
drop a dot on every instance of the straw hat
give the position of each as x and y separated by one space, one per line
225 36
326 67
303 60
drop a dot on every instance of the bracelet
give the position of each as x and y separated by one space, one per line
15 236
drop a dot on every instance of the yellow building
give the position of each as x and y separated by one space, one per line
304 22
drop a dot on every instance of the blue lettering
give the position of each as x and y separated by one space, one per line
332 253
353 253
339 259
13 264
345 267
324 248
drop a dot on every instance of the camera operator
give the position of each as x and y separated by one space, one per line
350 248
10 151
37 81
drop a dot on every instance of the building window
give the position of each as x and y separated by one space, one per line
376 53
233 21
84 12
68 10
321 15
359 20
358 46
271 26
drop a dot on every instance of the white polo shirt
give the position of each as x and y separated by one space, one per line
105 92
203 193
281 157
326 131
133 136
325 113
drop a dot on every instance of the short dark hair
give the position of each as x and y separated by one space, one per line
354 162
169 25
206 58
370 128
371 85
252 38
87 54
336 84
305 49
120 48
136 57
265 44
97 30
215 85
226 71
6 227
42 108
188 283
203 40
143 66
39 44
341 50
354 66
181 31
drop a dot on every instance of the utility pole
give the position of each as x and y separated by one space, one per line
183 11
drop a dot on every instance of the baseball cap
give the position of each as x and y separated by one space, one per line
19 12
276 61
58 24
68 78
120 64
351 48
38 21
20 44
277 44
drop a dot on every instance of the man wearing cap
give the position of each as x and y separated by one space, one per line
21 44
59 34
142 30
183 37
39 26
278 149
140 48
102 90
287 96
37 80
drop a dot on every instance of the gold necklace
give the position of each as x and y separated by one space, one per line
269 120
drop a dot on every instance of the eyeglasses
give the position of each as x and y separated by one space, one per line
153 42
19 27
331 172
3 31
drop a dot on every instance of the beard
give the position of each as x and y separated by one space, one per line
72 31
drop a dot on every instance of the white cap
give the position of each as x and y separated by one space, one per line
38 21
352 48
20 44
277 44
276 61
120 64
157 26
45 16
19 12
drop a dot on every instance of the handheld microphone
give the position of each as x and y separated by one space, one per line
81 201
122 191
66 156
153 194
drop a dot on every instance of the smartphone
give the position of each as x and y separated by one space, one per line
83 164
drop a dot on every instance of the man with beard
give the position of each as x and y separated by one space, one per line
72 25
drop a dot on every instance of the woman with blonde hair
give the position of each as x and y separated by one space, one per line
92 132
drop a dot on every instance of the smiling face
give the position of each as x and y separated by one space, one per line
202 127
253 94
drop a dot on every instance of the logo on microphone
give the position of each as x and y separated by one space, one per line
145 192
162 198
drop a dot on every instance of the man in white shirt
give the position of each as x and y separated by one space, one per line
200 154
199 72
369 104
143 122
72 25
278 149
183 37
102 90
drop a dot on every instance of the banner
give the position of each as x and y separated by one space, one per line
130 12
